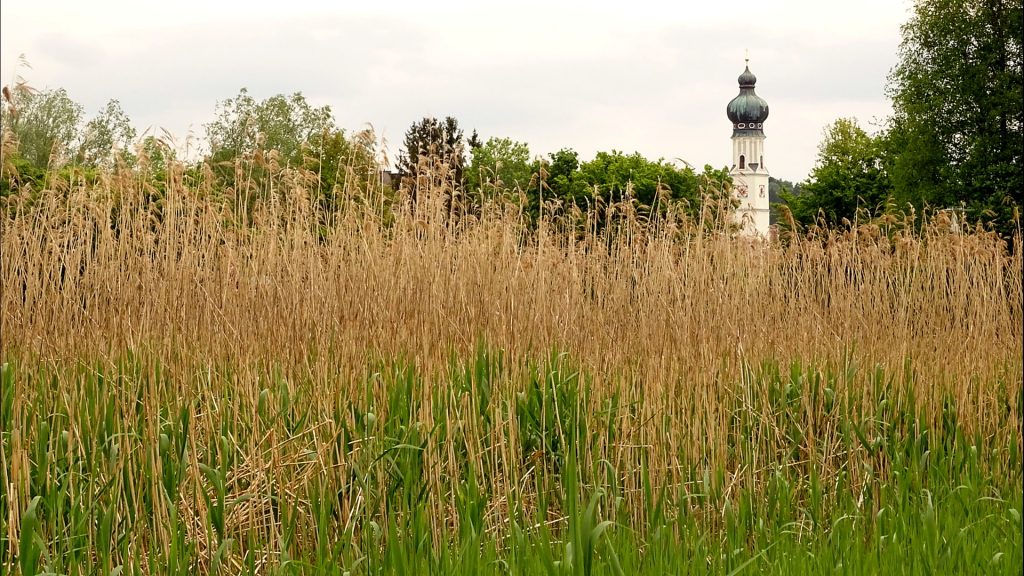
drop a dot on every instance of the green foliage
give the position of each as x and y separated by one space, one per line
48 132
31 545
500 164
281 123
615 176
431 141
958 130
848 176
956 139
551 427
560 181
21 173
45 145
777 186
251 140
917 165
109 132
563 175
340 161
155 159
44 124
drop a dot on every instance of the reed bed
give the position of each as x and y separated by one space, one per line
247 381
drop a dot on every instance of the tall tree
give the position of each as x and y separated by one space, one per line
285 128
562 177
45 125
107 134
613 176
433 140
958 130
557 180
848 176
155 157
282 123
498 164
342 163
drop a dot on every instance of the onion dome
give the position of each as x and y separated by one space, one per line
747 111
747 79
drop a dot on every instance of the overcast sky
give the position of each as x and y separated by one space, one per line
651 77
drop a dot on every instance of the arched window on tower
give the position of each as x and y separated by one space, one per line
743 161
762 162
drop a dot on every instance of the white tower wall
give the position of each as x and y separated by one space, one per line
750 184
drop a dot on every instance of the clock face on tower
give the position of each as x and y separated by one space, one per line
741 190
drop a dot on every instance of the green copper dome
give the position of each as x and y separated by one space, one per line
748 111
747 79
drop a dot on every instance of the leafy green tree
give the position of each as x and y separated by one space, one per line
714 183
431 138
286 124
917 165
107 135
155 157
474 141
957 134
777 186
327 155
44 125
614 176
848 175
562 177
555 181
498 164
256 136
341 163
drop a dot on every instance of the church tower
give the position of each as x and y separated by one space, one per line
748 111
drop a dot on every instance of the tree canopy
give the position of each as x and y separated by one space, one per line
956 133
301 136
286 124
108 133
615 176
45 125
956 137
848 176
498 164
433 139
44 134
